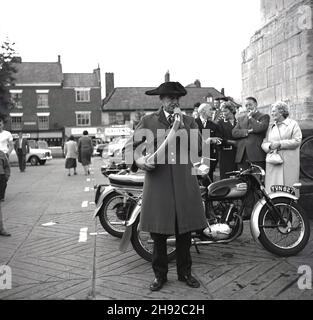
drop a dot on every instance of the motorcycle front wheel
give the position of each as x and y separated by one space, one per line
113 213
143 244
280 240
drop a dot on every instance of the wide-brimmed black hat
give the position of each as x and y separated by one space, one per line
168 88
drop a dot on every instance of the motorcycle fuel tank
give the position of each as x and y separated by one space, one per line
227 189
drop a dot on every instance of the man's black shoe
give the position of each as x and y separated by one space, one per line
190 281
157 284
4 233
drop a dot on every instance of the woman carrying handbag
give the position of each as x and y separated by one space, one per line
282 145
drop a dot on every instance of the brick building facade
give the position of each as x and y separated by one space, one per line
50 104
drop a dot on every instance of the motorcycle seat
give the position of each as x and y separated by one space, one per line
127 180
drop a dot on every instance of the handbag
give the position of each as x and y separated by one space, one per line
274 157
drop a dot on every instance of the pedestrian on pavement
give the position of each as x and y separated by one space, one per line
71 152
85 151
284 136
171 196
250 132
6 138
227 150
4 177
205 122
21 147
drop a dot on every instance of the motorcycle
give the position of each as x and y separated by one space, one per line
277 221
116 199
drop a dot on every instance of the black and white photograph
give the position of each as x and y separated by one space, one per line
156 155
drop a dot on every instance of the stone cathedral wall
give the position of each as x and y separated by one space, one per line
278 64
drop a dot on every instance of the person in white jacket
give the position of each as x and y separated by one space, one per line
71 153
284 135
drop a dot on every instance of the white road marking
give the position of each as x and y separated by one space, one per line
87 189
97 233
83 235
84 204
48 224
88 179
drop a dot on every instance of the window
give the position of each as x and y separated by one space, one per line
16 98
112 118
119 117
42 100
43 122
83 119
82 95
209 98
16 123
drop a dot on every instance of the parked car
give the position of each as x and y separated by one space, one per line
100 148
34 157
116 146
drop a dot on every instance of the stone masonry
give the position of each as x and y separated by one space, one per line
278 64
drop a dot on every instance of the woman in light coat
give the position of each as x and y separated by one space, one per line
70 151
285 136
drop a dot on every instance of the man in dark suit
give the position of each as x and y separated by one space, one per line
250 131
171 201
206 112
21 147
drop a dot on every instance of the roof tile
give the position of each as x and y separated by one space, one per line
134 98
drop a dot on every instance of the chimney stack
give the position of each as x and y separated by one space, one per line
59 58
197 83
109 83
98 75
167 76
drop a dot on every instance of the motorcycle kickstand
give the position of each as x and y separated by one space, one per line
197 249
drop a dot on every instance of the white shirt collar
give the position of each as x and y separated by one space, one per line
203 120
166 114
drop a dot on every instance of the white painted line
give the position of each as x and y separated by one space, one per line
83 235
84 204
97 233
88 179
48 224
87 189
92 202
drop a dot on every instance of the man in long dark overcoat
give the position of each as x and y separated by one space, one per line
171 197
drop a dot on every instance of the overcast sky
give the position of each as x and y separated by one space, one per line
138 40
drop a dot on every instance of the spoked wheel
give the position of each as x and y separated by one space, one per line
143 244
306 157
113 213
284 240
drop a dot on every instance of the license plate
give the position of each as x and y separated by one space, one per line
280 188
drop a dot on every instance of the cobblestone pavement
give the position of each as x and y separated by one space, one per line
73 258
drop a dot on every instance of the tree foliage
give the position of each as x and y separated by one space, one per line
7 70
